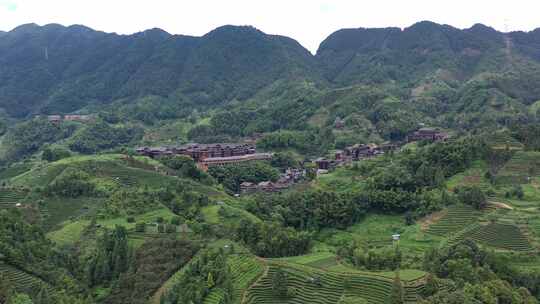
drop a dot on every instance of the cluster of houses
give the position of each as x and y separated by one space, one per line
60 118
364 151
353 153
200 151
286 180
208 155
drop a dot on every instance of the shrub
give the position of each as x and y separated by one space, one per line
71 182
176 220
53 154
472 196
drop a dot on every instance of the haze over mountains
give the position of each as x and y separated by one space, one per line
57 69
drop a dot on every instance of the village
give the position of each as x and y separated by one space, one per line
365 151
224 154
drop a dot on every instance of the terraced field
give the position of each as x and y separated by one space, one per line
326 287
474 175
110 166
245 270
126 176
329 291
454 220
498 235
518 170
320 260
10 197
502 140
14 170
215 297
22 281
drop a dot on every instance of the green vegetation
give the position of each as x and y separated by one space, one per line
232 176
498 235
309 285
28 137
22 281
10 197
521 167
454 219
83 220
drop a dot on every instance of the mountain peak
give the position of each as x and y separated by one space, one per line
25 28
234 30
80 28
425 25
481 28
154 33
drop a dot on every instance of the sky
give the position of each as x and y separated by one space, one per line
307 21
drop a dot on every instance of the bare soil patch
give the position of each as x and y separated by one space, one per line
431 219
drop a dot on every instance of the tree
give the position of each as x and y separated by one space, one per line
72 182
184 166
43 296
53 154
20 298
210 280
397 292
430 288
409 218
472 196
6 288
284 160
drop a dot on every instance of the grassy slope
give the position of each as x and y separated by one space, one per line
512 229
377 230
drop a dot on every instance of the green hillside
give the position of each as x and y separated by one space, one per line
23 281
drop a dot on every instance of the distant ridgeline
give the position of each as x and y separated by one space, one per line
236 83
56 69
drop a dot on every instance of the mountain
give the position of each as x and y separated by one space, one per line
237 81
382 54
54 68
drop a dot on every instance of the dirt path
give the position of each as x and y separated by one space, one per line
502 205
431 219
157 295
508 50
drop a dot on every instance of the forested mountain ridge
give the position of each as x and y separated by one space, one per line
54 69
57 69
236 82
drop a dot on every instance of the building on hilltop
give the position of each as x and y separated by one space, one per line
360 151
208 155
200 152
247 187
322 163
59 118
429 134
339 123
54 118
206 163
79 118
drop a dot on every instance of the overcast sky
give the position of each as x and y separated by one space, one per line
308 21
